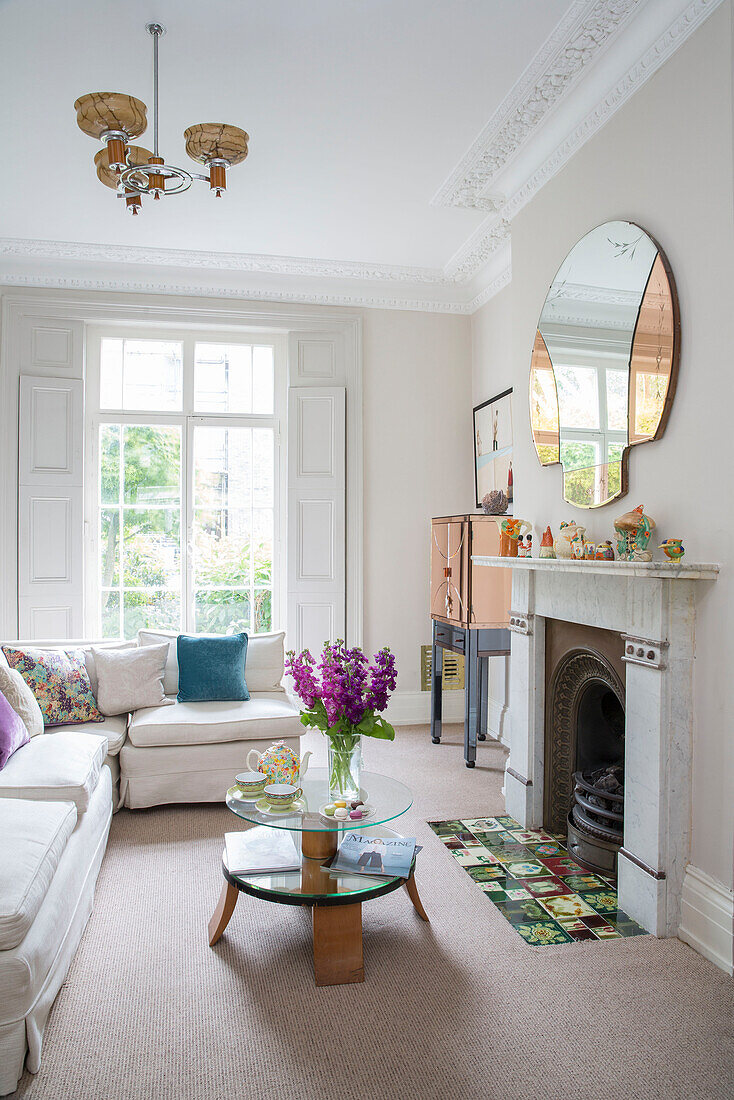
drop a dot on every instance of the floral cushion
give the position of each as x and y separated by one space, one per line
60 682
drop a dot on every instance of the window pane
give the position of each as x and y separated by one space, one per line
263 610
111 615
222 548
110 374
109 463
262 462
109 541
578 396
152 464
152 548
223 378
233 378
263 546
233 541
223 467
263 373
650 393
617 400
152 373
222 611
150 610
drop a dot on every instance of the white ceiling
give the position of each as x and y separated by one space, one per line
357 111
392 141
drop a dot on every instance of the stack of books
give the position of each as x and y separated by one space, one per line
261 851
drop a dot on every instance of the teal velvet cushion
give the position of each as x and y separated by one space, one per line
211 667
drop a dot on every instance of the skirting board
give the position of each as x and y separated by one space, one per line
707 918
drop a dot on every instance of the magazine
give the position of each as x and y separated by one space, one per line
360 854
261 851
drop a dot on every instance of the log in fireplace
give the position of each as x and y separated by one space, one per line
584 773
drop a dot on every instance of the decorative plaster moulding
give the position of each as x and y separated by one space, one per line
559 71
593 55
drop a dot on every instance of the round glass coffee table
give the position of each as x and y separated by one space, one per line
335 899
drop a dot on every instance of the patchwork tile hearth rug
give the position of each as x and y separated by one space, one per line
537 886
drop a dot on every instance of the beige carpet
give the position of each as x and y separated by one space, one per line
461 1008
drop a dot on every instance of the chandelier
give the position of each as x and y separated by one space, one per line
132 171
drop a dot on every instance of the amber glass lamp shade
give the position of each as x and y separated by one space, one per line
113 118
136 155
218 146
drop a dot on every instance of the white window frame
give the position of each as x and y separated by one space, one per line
186 419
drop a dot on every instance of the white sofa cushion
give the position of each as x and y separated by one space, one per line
21 698
113 728
130 679
34 837
57 767
264 715
263 664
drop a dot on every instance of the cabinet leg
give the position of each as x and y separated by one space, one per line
337 944
436 688
414 896
223 912
471 694
483 714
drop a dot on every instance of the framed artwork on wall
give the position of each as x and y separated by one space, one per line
493 447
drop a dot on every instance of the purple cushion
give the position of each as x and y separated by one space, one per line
13 733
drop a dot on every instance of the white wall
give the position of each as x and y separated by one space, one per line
418 464
665 161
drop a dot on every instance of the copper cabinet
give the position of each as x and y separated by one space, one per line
463 593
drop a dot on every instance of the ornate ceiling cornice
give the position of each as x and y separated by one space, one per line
585 30
219 261
500 140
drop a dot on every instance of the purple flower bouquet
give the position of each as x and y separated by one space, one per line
343 696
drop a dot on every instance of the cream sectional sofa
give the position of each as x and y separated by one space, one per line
57 795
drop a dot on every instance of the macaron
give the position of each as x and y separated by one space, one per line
356 814
340 805
329 810
341 813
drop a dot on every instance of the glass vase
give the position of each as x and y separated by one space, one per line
345 766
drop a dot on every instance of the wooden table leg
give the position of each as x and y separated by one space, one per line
223 912
412 889
337 944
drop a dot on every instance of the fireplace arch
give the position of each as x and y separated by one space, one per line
584 726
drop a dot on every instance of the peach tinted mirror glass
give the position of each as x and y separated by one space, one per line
603 362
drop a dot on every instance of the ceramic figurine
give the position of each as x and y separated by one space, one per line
546 544
280 763
589 550
604 551
673 549
510 532
567 533
529 547
494 503
634 530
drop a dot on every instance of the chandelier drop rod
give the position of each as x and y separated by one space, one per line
155 30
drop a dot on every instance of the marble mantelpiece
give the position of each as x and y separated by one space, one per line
652 607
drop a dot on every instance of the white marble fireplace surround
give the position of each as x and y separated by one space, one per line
653 607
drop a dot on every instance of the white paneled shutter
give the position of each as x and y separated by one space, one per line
316 496
50 481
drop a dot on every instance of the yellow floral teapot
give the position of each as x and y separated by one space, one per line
280 763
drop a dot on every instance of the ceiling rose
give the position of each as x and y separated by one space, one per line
134 172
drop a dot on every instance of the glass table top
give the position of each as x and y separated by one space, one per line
314 881
389 798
